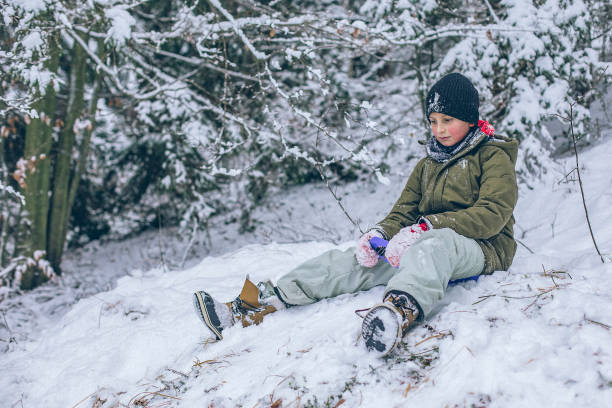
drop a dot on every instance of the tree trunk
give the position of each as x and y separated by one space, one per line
60 210
4 210
37 147
84 148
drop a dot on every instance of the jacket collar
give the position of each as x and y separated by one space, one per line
477 141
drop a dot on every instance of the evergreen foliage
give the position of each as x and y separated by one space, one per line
119 115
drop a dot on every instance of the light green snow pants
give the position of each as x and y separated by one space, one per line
426 267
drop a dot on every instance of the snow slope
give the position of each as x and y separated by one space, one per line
537 335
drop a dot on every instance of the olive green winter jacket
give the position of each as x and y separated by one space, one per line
473 193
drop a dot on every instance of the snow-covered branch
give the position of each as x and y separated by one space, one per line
257 54
12 193
361 156
202 63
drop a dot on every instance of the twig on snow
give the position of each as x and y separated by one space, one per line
536 296
435 336
525 246
605 326
84 399
139 399
483 298
551 276
199 364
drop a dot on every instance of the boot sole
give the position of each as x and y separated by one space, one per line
204 307
373 326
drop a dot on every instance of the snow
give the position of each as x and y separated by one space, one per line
257 54
392 331
537 335
121 24
29 5
10 191
32 41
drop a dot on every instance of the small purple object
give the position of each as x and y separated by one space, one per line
379 245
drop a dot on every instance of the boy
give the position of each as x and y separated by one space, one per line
453 220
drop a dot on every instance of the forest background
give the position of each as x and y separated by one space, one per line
121 116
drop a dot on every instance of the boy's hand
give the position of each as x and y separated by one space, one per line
364 253
401 241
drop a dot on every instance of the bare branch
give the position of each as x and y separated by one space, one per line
586 212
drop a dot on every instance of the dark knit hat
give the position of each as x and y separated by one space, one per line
454 95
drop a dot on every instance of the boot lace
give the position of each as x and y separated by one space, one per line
403 304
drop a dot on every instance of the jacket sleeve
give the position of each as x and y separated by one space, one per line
405 211
495 204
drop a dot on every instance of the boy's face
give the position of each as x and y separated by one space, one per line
448 130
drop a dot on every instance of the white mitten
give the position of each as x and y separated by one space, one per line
401 241
364 253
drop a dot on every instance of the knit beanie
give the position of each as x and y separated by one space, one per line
454 95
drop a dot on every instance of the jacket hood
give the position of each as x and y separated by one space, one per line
508 145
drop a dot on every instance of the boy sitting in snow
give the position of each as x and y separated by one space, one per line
453 220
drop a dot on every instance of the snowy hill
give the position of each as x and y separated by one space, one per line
537 335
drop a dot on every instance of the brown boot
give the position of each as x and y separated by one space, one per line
387 323
246 308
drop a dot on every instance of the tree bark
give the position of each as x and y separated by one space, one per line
4 211
84 148
39 138
60 210
37 148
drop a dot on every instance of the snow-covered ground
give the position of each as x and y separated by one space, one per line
537 335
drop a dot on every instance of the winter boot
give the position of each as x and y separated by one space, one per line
387 323
253 303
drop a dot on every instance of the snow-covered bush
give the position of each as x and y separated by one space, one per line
529 59
171 111
223 122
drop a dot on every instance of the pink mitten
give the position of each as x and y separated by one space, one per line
401 241
364 253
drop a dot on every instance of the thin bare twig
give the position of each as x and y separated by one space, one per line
586 212
435 336
536 296
605 326
333 193
139 399
83 400
525 246
191 241
566 177
551 276
177 372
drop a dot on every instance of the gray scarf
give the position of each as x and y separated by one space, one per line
442 154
